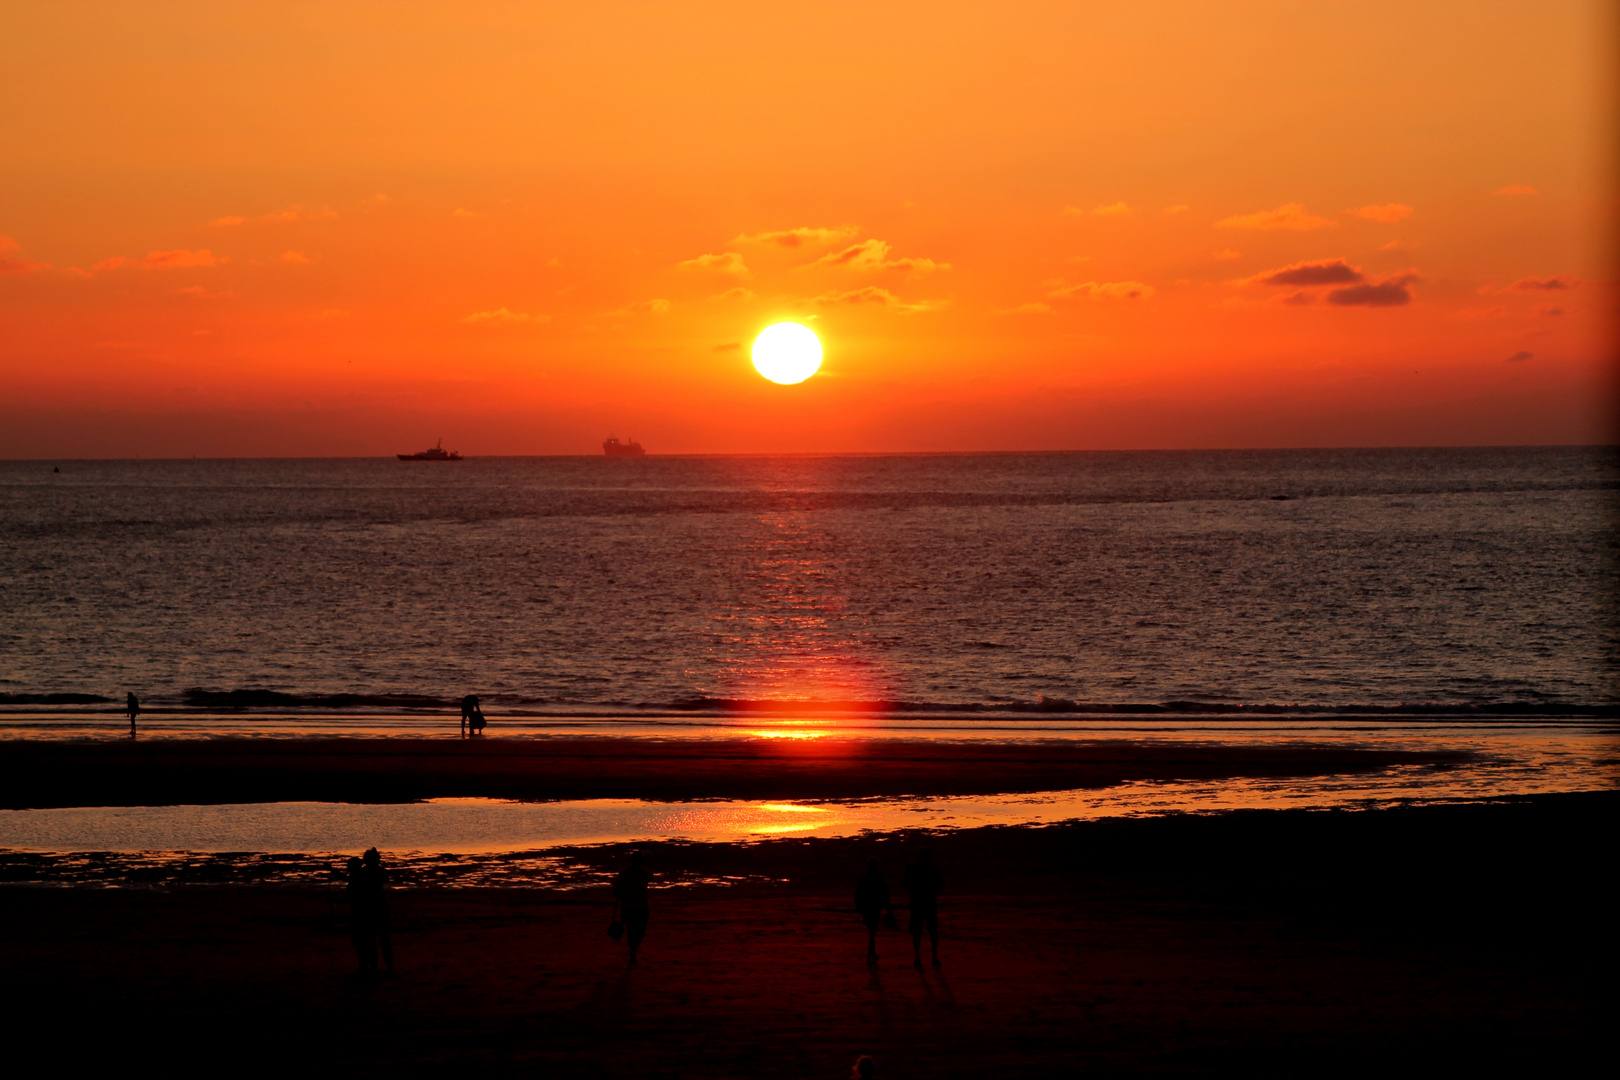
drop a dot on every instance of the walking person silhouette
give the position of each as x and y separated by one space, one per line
630 890
472 717
924 882
369 922
132 705
871 901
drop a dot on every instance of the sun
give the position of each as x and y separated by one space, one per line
787 353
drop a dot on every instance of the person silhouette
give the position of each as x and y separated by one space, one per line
924 882
472 717
871 901
630 890
132 705
368 913
364 942
865 1068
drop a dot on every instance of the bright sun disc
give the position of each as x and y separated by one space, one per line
787 353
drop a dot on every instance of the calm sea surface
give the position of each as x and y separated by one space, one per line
1461 577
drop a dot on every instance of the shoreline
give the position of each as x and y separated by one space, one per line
1452 938
41 774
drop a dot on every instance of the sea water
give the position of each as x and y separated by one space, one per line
1342 578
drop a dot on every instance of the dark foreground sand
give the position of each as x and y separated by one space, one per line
119 772
1443 940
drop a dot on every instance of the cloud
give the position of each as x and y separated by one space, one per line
1550 311
1516 189
866 255
874 255
1179 208
804 236
1226 255
1104 290
16 264
655 306
1287 216
296 258
727 262
737 293
871 294
1118 209
169 260
1520 357
114 263
296 212
1531 284
503 317
1027 309
1387 213
202 293
1321 272
728 346
1296 299
1391 292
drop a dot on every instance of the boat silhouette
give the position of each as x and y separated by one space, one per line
436 452
612 447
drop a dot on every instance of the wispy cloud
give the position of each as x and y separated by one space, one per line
16 264
728 346
872 294
874 255
1287 216
1035 308
1103 290
202 293
726 262
1119 209
1516 189
296 258
1387 213
735 293
504 317
1179 208
171 260
296 212
1321 272
804 236
655 306
1390 292
1533 284
1520 357
1226 255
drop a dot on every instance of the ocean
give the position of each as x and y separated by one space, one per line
1415 579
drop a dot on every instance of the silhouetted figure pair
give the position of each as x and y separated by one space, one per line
872 902
630 902
472 717
924 882
132 705
368 913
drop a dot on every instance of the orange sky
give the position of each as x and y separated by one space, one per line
293 229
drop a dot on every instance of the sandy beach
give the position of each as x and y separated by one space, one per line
1448 938
114 772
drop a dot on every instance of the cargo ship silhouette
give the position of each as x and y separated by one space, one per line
612 447
432 453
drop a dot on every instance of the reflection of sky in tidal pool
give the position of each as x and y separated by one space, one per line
483 826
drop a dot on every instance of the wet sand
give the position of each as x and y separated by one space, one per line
1443 939
129 772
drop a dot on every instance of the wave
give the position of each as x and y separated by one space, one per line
252 698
